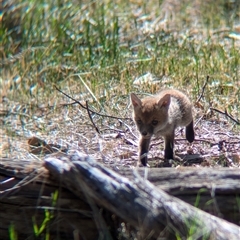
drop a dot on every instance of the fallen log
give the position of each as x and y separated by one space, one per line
147 208
215 191
26 191
26 200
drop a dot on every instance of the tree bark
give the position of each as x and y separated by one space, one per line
26 192
215 191
149 209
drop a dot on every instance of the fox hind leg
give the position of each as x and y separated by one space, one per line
190 132
169 142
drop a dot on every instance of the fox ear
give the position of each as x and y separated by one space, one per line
136 102
164 101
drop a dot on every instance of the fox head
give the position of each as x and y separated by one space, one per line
150 114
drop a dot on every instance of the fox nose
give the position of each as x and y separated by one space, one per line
144 133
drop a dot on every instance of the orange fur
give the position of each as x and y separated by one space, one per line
159 115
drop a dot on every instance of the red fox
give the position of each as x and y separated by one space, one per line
159 115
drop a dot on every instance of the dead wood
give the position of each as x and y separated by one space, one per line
26 192
215 191
149 209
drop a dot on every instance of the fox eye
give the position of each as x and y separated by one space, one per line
154 122
139 121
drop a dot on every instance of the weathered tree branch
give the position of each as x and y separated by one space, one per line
26 192
147 208
226 114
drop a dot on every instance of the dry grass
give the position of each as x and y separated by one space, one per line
97 52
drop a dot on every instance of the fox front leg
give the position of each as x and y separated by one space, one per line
143 150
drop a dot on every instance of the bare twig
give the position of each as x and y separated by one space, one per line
128 127
196 122
226 114
90 116
203 89
195 140
99 114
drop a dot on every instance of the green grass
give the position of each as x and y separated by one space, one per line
110 45
12 233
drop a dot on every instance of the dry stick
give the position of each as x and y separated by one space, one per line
90 116
199 98
195 140
196 123
99 114
226 114
129 129
203 89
